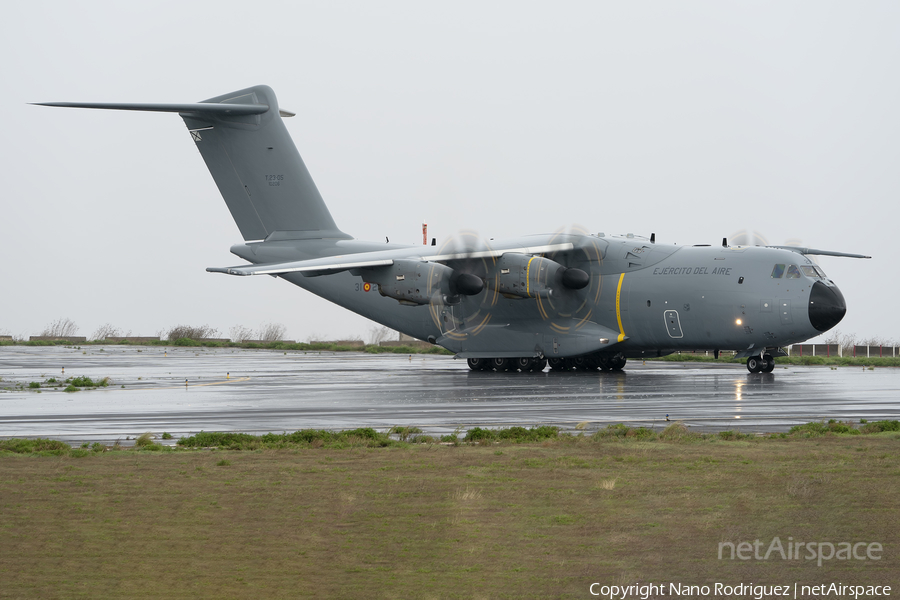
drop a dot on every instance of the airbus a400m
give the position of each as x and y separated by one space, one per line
573 300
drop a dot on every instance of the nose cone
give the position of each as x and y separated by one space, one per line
826 306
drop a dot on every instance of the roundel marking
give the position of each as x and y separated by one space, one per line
367 287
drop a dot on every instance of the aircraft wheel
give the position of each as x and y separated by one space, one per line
538 365
594 363
523 364
557 364
769 365
580 363
477 364
501 364
617 362
755 364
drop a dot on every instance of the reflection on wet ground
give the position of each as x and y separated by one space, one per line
261 391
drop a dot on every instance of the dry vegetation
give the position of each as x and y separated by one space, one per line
190 332
538 520
60 328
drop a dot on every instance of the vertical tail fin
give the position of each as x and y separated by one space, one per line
259 171
254 163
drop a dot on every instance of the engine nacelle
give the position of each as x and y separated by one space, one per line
416 282
523 276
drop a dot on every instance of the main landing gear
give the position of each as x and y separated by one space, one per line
615 362
524 364
761 364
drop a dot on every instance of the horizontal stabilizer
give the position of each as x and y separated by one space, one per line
253 160
800 250
197 108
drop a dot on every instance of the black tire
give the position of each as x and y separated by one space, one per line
617 362
755 364
523 363
538 365
477 364
582 363
769 364
557 364
501 364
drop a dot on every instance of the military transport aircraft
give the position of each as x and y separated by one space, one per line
575 300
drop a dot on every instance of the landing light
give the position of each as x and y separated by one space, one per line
738 322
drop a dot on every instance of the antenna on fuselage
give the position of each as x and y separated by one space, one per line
652 238
724 242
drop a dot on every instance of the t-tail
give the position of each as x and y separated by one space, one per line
253 161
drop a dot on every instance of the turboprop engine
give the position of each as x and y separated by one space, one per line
415 282
523 276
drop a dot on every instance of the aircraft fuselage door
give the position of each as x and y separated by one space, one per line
673 324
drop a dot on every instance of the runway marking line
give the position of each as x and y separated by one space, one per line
205 384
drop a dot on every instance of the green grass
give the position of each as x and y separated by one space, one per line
39 446
538 519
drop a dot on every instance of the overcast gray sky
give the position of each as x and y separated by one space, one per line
694 120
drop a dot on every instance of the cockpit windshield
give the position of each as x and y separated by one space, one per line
793 272
809 271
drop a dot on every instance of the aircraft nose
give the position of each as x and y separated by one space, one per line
826 306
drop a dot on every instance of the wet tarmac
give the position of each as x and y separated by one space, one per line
259 391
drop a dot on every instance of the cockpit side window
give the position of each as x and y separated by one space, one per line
793 272
820 272
809 271
778 272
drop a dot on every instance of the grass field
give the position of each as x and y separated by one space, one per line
488 520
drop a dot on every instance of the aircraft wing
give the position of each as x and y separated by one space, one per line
336 264
307 267
800 250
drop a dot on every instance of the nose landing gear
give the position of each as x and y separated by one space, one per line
761 364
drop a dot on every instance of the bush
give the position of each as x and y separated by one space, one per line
144 440
39 445
820 428
879 426
180 332
34 385
60 328
404 433
208 439
305 438
624 431
677 431
517 435
81 382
